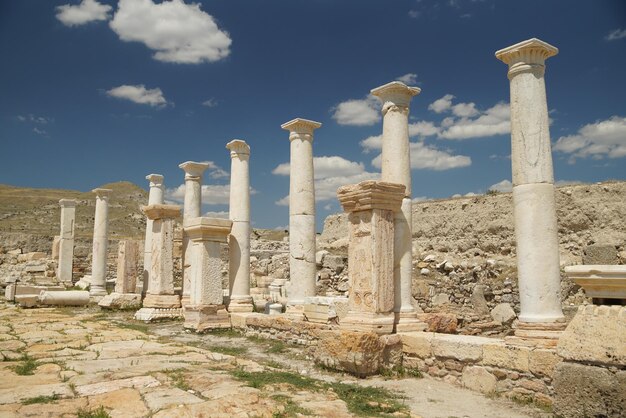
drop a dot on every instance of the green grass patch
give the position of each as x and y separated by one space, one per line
224 332
99 412
40 399
276 347
360 400
400 372
26 367
290 408
228 350
133 326
178 379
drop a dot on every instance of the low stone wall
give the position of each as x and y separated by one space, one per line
279 327
487 365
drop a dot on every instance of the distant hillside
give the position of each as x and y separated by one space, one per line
37 211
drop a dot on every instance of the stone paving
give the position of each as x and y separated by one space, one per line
66 362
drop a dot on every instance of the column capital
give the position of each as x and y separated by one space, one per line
370 194
238 148
528 55
156 180
395 93
193 170
154 212
299 128
102 192
208 229
67 203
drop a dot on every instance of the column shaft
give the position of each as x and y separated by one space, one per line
66 240
155 197
536 230
100 244
239 239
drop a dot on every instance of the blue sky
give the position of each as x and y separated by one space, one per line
93 92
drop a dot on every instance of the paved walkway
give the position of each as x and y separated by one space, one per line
59 362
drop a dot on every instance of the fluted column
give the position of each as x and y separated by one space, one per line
302 269
533 186
191 209
66 240
239 239
97 287
396 168
155 197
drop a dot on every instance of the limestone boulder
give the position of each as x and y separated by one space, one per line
121 301
503 313
600 254
444 323
478 300
358 353
588 391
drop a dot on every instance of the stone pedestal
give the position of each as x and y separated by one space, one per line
206 309
191 209
155 197
533 190
239 239
606 284
124 296
66 241
370 206
97 288
160 301
302 268
396 168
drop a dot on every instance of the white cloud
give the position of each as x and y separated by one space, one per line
178 32
420 199
616 34
414 14
40 131
372 143
139 94
408 79
503 186
87 11
217 214
441 105
428 157
331 173
42 120
493 121
464 110
605 138
210 102
423 129
365 112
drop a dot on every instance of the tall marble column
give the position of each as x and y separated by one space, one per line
370 206
97 287
155 197
191 209
206 309
533 189
161 301
66 241
302 269
396 168
239 239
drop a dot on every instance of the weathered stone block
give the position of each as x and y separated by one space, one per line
459 347
588 391
543 362
506 356
444 323
358 353
479 379
596 334
121 301
600 254
417 344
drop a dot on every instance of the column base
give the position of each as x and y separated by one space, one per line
241 304
185 300
155 314
408 322
161 301
97 291
379 323
543 334
203 317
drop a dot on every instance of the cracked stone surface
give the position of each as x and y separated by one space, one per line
83 359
